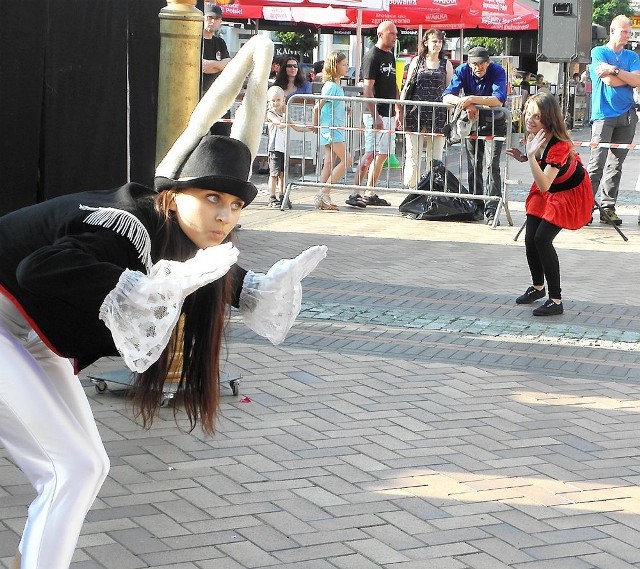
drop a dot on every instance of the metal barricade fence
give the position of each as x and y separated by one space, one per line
456 157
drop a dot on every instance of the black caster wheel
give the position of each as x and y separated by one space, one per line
100 386
234 384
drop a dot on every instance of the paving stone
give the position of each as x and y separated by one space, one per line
355 561
313 553
268 538
114 555
411 417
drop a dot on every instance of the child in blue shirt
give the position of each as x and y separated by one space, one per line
330 115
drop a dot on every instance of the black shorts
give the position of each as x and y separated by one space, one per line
276 163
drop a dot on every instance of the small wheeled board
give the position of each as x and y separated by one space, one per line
122 379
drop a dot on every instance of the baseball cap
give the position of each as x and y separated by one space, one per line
478 54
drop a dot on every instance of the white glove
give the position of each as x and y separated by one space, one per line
206 266
269 304
142 310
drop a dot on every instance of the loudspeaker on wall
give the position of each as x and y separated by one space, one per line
564 32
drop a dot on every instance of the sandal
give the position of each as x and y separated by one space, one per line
323 202
375 199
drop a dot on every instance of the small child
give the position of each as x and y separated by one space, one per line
277 125
276 120
329 115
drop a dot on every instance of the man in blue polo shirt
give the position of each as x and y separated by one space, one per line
482 83
615 71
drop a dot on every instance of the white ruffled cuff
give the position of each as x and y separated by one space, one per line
142 310
140 318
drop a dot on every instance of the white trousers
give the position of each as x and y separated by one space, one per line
47 426
414 143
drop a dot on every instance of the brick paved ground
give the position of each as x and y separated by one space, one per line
414 418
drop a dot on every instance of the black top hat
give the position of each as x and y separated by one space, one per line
217 163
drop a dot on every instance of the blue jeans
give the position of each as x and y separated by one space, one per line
605 164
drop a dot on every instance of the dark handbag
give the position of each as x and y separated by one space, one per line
492 123
450 129
410 91
439 208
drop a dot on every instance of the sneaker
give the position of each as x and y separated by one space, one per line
490 218
531 295
549 308
375 199
356 200
323 203
613 218
274 202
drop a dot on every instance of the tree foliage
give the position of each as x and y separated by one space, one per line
301 44
408 41
494 45
605 10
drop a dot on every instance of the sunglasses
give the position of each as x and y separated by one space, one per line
292 65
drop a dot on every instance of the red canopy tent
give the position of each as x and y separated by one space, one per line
453 18
507 15
364 4
500 15
523 18
328 16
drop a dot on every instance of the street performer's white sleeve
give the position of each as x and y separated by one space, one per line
270 303
142 310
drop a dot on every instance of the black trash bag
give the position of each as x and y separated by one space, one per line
439 208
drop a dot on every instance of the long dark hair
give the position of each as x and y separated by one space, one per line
282 79
432 32
199 337
275 61
550 114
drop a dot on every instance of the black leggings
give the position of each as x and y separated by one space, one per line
541 254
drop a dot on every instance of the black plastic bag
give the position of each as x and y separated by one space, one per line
439 208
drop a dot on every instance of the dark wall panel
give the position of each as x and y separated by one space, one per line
144 58
75 77
22 48
84 143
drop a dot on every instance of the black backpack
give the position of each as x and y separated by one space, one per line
439 208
